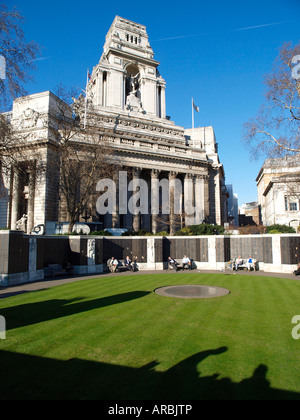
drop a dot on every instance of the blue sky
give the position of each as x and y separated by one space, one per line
216 52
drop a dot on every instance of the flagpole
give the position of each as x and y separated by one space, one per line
85 105
193 121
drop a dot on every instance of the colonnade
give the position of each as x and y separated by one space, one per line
173 199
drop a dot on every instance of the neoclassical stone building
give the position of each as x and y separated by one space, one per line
127 94
278 188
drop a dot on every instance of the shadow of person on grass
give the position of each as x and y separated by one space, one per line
34 378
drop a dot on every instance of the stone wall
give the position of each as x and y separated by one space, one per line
25 258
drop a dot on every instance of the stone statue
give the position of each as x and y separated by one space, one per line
133 80
22 223
133 102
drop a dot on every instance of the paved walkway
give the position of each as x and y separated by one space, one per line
46 284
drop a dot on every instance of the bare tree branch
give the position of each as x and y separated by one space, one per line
275 131
18 55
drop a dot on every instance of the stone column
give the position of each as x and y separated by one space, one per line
15 198
30 202
218 220
172 177
189 209
154 198
115 214
199 199
163 101
136 218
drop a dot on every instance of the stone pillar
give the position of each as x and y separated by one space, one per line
136 218
163 101
154 199
172 177
212 254
15 198
199 199
150 253
99 88
91 253
276 253
30 202
189 209
218 220
115 214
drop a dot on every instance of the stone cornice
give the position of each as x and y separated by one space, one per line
130 56
142 127
143 154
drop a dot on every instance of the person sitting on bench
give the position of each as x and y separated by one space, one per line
186 263
250 263
128 263
238 262
113 264
68 267
297 272
173 263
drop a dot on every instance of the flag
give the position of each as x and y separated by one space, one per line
196 108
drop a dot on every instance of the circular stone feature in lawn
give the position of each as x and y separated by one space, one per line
194 291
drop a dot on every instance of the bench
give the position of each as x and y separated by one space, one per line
122 267
244 266
180 265
58 270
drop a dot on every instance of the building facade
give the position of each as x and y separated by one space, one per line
233 206
126 93
278 187
249 214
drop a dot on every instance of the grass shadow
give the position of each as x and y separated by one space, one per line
26 377
33 313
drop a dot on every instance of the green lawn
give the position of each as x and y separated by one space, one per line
114 338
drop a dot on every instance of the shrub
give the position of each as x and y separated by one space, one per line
186 231
280 229
162 233
203 229
101 233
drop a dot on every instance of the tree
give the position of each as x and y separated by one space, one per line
80 157
275 131
16 56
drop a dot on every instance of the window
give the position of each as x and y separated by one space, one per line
131 38
290 204
286 203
